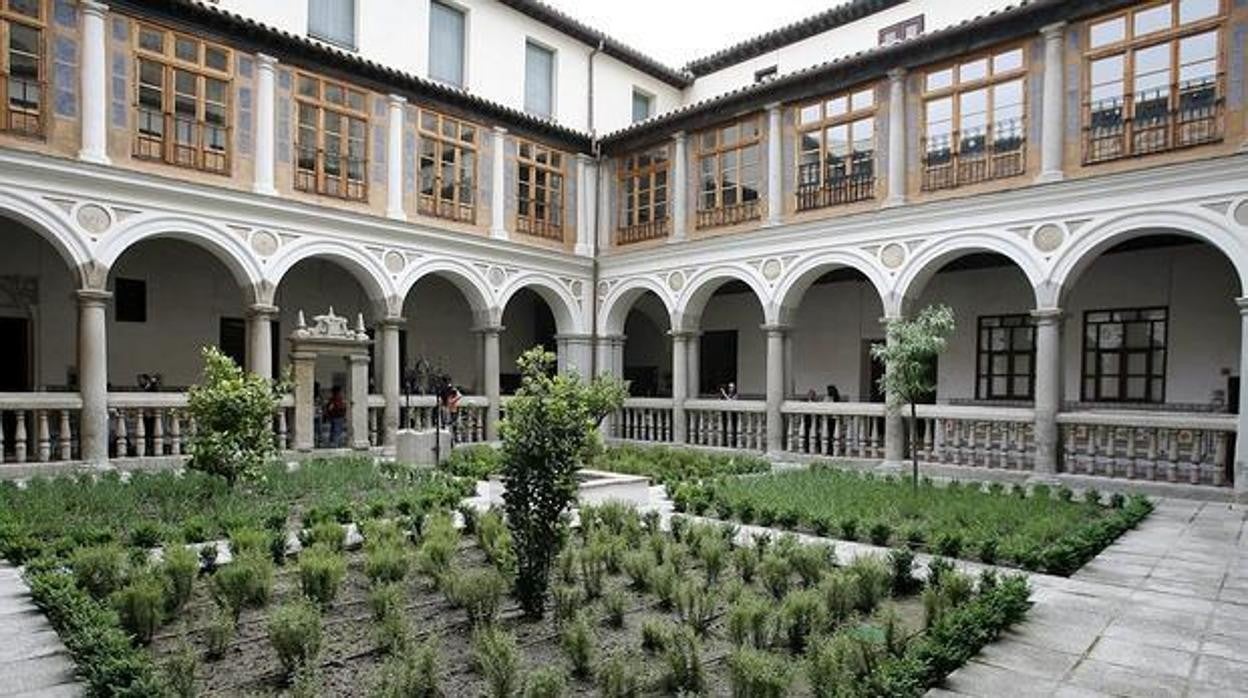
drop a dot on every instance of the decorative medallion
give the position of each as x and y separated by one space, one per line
772 269
576 287
1241 213
603 289
496 276
394 261
1048 237
94 219
892 255
676 281
264 243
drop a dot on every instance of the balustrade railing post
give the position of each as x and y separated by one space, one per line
65 437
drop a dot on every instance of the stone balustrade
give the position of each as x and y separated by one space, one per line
148 425
834 429
1164 447
39 427
727 423
647 420
987 437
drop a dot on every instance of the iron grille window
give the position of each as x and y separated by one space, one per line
1124 355
1005 356
448 167
729 173
1154 80
539 195
907 29
836 151
975 120
643 196
183 106
22 67
332 139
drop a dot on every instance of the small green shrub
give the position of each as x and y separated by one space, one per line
321 573
208 558
179 567
99 569
750 620
415 673
684 672
479 592
637 565
146 535
244 541
840 596
757 674
219 633
233 415
902 562
949 544
177 671
579 645
663 580
776 574
810 562
476 462
849 528
385 600
497 659
245 583
386 561
656 635
614 602
745 559
194 530
140 606
438 543
566 602
295 633
879 533
801 613
695 605
986 551
873 579
327 533
545 682
619 676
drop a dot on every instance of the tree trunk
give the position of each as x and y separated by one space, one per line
914 446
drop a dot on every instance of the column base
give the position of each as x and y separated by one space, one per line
583 251
361 446
1047 479
674 240
892 467
893 202
498 233
264 190
771 223
94 158
397 214
1050 176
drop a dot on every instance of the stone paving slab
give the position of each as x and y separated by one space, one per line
33 661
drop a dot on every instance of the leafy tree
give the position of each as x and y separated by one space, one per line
550 430
233 413
907 357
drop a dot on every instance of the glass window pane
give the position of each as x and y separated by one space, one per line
446 43
1108 32
1007 61
808 114
539 76
975 70
1152 70
30 8
1198 57
837 106
152 40
863 99
641 106
186 49
1192 10
216 58
940 116
308 87
1153 19
940 79
332 20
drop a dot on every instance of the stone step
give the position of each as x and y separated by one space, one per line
36 675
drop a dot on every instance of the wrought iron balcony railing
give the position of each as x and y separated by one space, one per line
22 109
182 141
729 215
835 182
975 155
650 230
331 174
1179 116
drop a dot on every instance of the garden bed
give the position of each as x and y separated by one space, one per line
1041 529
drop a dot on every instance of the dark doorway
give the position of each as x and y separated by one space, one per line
717 357
15 355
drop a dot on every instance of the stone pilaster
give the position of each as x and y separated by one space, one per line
1048 393
775 386
490 366
498 184
94 83
677 189
1052 144
357 416
775 164
260 339
680 385
266 125
93 375
394 158
894 425
388 330
896 137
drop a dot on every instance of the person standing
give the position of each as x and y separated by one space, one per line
336 412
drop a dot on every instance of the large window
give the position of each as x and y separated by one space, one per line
448 167
446 43
539 191
1154 80
183 100
332 21
22 66
728 173
836 158
332 139
539 79
643 195
1124 355
974 113
1005 358
643 105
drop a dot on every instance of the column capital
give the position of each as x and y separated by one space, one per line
1052 32
262 310
357 359
93 8
396 100
773 107
584 159
93 296
683 335
890 319
392 322
775 329
265 61
488 329
897 74
1047 316
680 136
499 131
1243 305
574 337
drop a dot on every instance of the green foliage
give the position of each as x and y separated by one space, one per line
386 561
177 672
579 645
545 682
233 414
321 572
248 540
140 605
146 535
495 540
179 567
246 582
295 633
619 676
684 672
839 590
801 614
695 605
566 602
497 659
776 574
219 633
757 674
479 592
415 673
438 543
99 569
902 562
750 620
325 533
637 565
614 602
671 466
477 462
656 635
549 431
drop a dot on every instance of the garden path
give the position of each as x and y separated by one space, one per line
33 662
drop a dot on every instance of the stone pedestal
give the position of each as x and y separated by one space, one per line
424 447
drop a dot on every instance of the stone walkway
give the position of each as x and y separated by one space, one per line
1161 612
33 662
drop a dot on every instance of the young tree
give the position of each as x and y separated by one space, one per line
233 413
550 429
907 357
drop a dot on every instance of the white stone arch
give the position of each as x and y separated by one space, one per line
1092 242
227 246
805 271
563 305
621 299
364 267
929 259
687 315
49 223
463 276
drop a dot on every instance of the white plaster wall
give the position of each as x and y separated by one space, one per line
647 339
839 42
54 318
520 328
613 94
831 324
439 329
742 312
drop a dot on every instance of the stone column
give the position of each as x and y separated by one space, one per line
357 416
1048 390
490 365
498 186
894 425
775 387
394 159
266 125
775 164
584 203
1052 146
678 191
94 87
896 137
680 385
304 363
260 339
1240 469
694 364
575 353
388 329
93 375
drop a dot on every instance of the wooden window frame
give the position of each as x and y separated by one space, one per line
631 171
949 167
1181 129
167 146
740 211
859 181
318 179
24 122
536 159
1152 372
984 371
462 204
